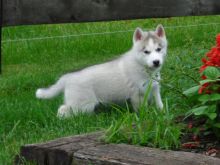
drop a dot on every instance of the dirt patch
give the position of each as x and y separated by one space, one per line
197 139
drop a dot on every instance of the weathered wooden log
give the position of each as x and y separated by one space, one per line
87 149
22 12
57 152
128 154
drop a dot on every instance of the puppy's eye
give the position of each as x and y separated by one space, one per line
158 49
147 52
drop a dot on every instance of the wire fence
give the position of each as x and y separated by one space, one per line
103 33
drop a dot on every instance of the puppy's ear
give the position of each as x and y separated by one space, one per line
160 31
138 35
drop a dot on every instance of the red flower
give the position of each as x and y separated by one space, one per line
204 77
203 89
202 68
212 59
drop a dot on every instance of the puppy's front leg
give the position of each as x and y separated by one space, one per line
156 93
136 101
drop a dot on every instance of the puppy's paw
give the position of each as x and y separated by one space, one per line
160 106
64 112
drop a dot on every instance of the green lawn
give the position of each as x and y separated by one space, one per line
28 65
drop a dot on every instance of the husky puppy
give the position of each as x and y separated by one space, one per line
116 81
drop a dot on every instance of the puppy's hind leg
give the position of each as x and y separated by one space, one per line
87 107
66 111
80 100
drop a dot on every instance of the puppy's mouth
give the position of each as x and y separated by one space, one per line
154 68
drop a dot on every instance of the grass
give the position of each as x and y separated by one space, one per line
149 127
28 65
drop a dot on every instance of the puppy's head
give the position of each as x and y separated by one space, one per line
150 47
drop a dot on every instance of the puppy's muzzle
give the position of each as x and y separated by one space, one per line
156 63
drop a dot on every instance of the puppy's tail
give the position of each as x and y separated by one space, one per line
52 91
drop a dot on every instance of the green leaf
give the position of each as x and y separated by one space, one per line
215 97
208 111
212 72
217 125
211 97
199 110
208 81
204 98
191 91
212 116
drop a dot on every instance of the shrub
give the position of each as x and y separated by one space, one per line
208 90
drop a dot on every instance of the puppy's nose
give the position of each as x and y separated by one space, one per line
156 63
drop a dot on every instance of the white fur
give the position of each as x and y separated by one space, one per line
114 81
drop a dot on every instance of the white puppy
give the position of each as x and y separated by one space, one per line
124 78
